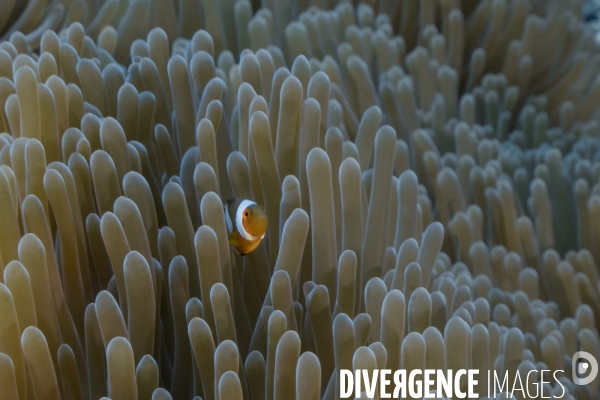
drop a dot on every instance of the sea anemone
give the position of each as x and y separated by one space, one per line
430 171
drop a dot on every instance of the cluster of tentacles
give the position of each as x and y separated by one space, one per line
430 170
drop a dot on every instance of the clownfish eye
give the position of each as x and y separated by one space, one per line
246 213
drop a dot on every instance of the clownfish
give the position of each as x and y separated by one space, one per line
246 224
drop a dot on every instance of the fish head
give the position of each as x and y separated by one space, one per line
255 221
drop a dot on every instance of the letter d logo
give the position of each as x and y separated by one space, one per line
581 368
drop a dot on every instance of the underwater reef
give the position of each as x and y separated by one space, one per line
430 170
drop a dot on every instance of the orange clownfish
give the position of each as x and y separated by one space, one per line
246 224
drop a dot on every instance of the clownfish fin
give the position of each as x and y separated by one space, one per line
235 243
233 240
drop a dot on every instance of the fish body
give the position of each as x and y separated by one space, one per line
246 224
